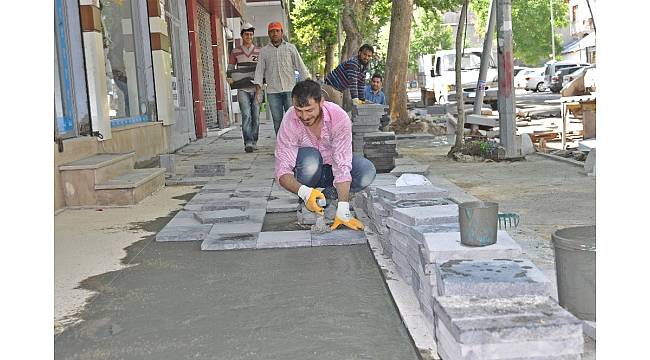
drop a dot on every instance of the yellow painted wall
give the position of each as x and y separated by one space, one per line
147 140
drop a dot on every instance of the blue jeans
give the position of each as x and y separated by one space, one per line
279 103
250 116
311 171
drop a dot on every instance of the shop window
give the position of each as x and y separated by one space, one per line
124 72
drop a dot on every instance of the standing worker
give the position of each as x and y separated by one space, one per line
245 58
350 74
278 62
314 149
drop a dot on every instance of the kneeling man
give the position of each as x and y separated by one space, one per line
314 150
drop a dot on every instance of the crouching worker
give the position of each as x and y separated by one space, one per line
314 150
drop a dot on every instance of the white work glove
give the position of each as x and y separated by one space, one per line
311 198
343 216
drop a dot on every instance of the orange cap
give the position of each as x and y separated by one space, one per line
276 25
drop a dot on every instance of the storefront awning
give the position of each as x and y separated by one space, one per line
585 42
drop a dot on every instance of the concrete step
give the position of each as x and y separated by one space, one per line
101 167
130 188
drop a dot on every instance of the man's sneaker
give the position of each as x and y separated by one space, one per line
248 148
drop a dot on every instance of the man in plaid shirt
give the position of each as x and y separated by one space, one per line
350 74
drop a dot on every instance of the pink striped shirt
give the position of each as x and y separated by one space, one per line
334 145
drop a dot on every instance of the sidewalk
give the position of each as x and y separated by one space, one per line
171 300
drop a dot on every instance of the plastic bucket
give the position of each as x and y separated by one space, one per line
478 223
575 268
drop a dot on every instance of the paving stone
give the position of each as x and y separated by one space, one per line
399 170
221 216
427 215
491 278
183 233
284 239
230 241
235 228
366 120
419 231
219 188
225 205
414 192
168 162
206 198
184 218
339 237
406 161
282 205
441 247
521 327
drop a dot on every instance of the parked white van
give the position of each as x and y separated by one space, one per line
437 75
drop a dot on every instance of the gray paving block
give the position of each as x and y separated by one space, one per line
168 162
224 205
441 247
419 231
221 216
399 170
427 215
284 239
415 192
183 233
207 198
183 218
521 327
219 188
339 237
283 204
230 241
235 228
491 278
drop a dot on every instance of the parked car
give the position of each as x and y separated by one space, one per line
519 76
531 79
556 81
553 66
570 77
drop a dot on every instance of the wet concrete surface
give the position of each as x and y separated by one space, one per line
179 302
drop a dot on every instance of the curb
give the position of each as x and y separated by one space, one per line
568 161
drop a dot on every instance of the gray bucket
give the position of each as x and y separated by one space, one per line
478 223
575 268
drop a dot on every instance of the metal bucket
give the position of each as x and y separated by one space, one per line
478 223
575 268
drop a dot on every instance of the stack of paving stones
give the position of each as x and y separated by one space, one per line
381 149
365 119
472 297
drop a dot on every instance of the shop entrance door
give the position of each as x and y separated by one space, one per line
183 128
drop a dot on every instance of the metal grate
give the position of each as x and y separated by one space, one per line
207 75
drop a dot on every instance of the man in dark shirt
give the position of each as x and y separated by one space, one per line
350 74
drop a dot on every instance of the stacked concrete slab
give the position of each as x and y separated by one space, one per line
419 226
381 149
365 119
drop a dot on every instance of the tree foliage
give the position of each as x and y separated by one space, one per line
428 35
314 27
531 27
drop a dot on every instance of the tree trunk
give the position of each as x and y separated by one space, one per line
329 58
460 123
353 36
397 60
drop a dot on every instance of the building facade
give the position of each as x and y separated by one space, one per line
135 77
582 29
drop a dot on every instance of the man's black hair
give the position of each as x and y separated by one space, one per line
367 47
241 33
376 75
304 90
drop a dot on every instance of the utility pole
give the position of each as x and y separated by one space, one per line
552 29
506 101
485 57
